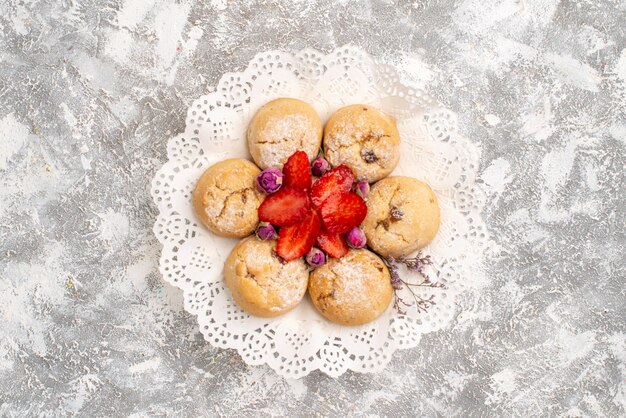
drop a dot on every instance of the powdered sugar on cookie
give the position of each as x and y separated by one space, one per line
285 135
363 138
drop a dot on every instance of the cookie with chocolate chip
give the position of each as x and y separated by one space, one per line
363 138
352 290
260 282
402 216
226 198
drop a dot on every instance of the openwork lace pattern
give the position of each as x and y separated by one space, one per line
432 151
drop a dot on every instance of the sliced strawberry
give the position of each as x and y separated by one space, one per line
342 212
297 171
333 244
338 180
296 240
285 207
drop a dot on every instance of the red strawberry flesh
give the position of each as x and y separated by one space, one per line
296 240
336 181
307 213
342 212
297 171
333 244
286 207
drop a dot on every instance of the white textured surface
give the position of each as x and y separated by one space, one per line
92 90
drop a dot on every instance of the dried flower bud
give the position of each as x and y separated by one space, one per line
356 238
270 180
315 257
319 166
362 188
266 231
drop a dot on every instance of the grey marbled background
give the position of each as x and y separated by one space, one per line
90 91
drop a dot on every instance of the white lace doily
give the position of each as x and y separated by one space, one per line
432 151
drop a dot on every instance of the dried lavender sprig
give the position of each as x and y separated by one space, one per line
397 301
417 264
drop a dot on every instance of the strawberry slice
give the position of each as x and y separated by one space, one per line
296 240
285 207
297 171
336 181
342 212
333 244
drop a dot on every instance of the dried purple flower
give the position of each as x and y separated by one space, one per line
266 231
417 264
396 281
270 180
319 166
315 257
356 238
362 188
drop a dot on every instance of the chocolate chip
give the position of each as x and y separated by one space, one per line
369 156
396 213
